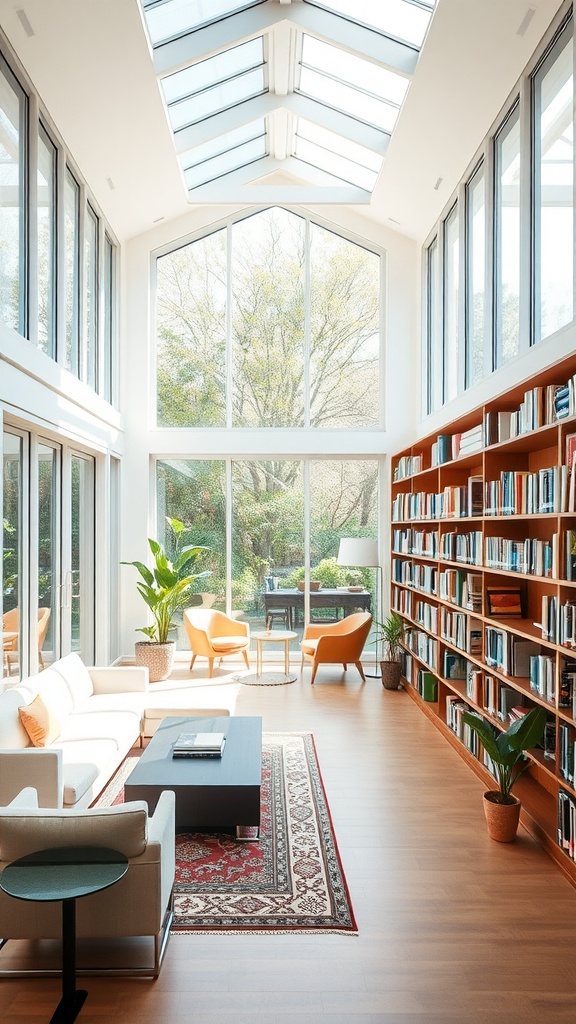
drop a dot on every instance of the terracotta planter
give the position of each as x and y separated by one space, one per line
501 819
157 657
391 674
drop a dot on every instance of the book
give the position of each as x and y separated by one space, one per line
197 744
504 602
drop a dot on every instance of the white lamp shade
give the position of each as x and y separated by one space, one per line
358 551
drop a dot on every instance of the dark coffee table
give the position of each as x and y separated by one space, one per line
64 873
222 792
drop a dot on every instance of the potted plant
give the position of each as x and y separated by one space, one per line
165 588
390 634
506 750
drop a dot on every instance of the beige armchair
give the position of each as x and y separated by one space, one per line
140 904
337 642
213 634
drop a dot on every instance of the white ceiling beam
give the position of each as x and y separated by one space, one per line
262 106
231 187
187 49
219 194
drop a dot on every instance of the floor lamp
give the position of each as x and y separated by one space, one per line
363 553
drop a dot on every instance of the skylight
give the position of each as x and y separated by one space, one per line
167 19
291 101
402 19
352 84
227 153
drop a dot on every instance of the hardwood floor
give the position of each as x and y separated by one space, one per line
453 927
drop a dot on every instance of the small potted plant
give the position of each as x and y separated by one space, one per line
506 751
165 588
390 633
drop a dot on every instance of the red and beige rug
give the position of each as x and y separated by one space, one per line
290 880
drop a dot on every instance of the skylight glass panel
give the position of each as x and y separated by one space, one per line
206 73
344 97
220 97
334 164
176 17
398 18
363 74
232 160
215 147
340 79
338 145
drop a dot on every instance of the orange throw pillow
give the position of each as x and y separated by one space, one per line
40 722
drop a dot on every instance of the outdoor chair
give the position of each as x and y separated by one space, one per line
11 624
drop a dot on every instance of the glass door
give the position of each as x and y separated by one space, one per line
77 603
13 624
48 460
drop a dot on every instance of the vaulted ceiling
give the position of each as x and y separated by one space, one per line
294 100
107 89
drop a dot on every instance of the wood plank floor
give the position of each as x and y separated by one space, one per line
453 927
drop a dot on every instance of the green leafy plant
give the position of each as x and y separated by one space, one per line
390 633
166 586
506 749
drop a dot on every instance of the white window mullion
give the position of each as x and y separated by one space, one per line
32 305
229 300
228 536
307 327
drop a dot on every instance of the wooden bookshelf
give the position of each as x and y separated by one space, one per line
479 529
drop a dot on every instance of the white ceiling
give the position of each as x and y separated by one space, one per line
89 61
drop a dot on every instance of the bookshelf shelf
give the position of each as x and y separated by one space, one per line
500 518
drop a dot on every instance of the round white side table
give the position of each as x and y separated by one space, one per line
274 636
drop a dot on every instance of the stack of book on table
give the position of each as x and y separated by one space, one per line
199 744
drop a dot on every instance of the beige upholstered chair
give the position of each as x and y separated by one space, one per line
337 642
213 634
11 624
140 904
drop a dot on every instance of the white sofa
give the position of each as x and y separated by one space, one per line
139 904
99 712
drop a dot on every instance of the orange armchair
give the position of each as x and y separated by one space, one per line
337 642
212 634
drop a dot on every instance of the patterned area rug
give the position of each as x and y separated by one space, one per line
265 678
290 880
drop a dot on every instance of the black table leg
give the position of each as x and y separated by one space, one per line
72 998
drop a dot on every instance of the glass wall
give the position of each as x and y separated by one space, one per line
72 271
91 296
34 290
258 517
48 549
507 238
516 237
553 90
434 347
272 322
476 275
46 216
13 627
451 302
13 109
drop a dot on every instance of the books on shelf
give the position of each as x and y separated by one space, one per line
199 744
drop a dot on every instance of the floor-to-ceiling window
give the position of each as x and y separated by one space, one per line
476 275
264 521
516 236
48 565
13 108
270 324
553 89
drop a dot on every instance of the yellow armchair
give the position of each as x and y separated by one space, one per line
212 634
339 642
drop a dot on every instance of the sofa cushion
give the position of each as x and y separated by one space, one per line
120 726
76 676
40 721
123 828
